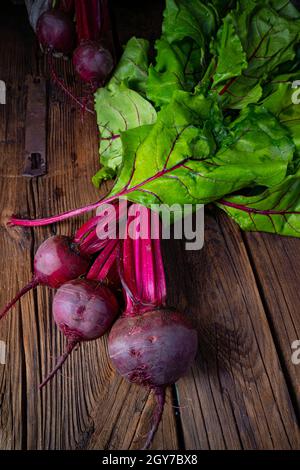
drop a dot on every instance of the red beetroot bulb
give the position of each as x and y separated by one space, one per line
93 63
59 260
153 349
56 31
56 261
83 310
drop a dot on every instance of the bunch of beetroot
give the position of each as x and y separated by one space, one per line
78 28
149 344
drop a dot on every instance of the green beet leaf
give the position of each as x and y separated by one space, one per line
182 50
119 106
258 141
229 57
282 98
177 68
177 159
196 20
275 210
268 36
132 68
228 126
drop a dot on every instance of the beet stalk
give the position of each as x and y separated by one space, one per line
68 6
95 233
105 267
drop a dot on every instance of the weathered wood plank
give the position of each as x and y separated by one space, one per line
235 397
276 263
15 248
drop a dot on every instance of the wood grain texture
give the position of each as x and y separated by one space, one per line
276 264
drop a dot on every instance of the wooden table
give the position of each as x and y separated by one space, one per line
242 290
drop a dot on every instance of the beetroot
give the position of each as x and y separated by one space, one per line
56 261
150 345
83 310
93 63
56 31
153 349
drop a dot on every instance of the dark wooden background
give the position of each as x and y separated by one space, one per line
241 289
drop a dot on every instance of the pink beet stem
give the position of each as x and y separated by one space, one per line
160 395
111 270
252 210
70 346
147 269
107 268
86 229
125 191
104 261
127 273
92 244
60 217
141 266
161 288
89 227
88 19
31 285
137 261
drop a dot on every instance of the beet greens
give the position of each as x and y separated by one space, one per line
219 100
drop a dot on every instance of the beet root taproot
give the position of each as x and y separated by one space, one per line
153 349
